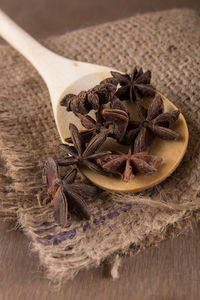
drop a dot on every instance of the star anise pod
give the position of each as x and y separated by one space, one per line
118 116
110 80
134 87
82 154
92 126
155 123
65 194
88 100
101 94
128 165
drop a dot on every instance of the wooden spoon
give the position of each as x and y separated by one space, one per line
63 76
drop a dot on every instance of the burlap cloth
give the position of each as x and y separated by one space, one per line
166 43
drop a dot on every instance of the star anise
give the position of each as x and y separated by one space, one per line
155 123
92 126
110 80
82 154
128 165
118 116
134 87
103 93
88 100
65 194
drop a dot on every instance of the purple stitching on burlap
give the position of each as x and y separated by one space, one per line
126 207
99 221
43 241
113 214
58 238
86 226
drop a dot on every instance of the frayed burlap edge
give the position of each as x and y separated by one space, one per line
184 222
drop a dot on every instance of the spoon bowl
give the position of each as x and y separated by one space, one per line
63 76
171 152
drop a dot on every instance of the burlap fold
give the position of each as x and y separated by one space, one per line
166 43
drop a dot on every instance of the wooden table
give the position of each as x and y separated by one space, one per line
170 271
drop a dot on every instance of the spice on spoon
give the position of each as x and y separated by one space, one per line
134 87
81 153
154 123
111 120
85 101
129 164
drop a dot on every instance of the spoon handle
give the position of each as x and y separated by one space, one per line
23 42
52 67
58 72
47 63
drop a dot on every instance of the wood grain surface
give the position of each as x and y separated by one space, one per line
170 271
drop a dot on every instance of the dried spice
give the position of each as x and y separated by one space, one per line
128 165
118 116
85 101
82 154
65 194
110 80
93 127
155 123
111 119
134 87
101 94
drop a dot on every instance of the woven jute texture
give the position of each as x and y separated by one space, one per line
166 43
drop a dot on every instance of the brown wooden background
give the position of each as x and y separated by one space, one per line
170 271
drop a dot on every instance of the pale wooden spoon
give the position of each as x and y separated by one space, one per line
63 76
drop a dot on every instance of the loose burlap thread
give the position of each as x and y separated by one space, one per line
166 43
